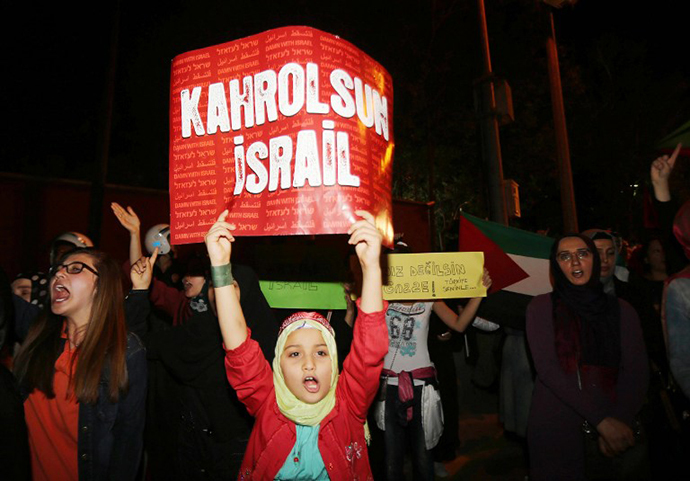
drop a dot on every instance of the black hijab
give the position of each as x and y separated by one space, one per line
586 320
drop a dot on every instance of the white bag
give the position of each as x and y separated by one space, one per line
432 416
380 414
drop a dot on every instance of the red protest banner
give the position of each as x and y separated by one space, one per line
290 129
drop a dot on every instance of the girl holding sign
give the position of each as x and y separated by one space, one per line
310 420
410 410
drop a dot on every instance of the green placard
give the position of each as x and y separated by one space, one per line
304 295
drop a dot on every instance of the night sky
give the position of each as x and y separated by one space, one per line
56 59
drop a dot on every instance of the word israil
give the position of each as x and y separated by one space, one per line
317 168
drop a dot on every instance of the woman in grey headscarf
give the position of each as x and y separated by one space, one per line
606 246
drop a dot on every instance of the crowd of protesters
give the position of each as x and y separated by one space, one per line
158 369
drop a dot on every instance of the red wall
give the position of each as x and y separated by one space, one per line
34 211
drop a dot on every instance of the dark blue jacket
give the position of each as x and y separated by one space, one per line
111 434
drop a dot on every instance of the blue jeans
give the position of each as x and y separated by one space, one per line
404 437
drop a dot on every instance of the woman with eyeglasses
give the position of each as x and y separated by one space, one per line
591 365
84 376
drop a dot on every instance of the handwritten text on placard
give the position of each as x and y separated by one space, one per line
443 275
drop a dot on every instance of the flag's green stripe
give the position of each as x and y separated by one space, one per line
681 134
304 295
512 240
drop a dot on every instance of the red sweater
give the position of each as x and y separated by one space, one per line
341 433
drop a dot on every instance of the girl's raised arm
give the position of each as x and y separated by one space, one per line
219 241
459 322
367 241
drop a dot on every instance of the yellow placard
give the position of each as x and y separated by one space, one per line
434 275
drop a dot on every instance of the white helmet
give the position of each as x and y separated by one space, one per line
77 239
158 236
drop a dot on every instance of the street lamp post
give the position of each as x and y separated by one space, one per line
491 143
565 174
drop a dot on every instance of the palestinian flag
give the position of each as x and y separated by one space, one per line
680 135
518 262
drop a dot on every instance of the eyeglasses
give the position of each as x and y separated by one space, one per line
566 256
72 268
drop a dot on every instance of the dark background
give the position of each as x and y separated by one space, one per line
624 68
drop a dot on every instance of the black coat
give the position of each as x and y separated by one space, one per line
197 428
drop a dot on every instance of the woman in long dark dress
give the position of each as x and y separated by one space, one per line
591 365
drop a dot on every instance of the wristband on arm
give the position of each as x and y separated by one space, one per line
222 275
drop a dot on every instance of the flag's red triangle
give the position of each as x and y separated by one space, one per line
504 271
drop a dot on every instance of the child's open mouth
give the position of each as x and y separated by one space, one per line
311 384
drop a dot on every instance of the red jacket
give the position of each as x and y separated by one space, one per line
341 433
168 299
